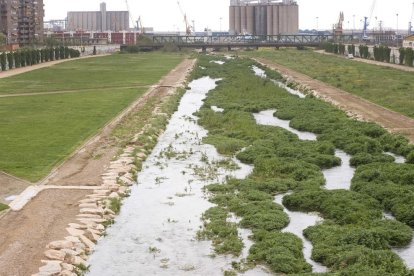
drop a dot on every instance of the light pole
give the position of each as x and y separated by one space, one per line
220 23
396 32
317 23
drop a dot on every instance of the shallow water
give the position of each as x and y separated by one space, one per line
298 222
266 118
156 229
261 73
398 158
217 109
339 177
217 62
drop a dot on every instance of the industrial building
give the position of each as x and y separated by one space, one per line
98 21
22 20
263 17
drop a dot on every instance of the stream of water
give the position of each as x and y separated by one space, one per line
338 177
155 233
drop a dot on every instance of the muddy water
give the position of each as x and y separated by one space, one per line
298 222
266 118
339 177
155 232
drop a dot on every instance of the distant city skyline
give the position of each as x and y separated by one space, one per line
165 15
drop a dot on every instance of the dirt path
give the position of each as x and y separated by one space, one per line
24 234
393 121
18 71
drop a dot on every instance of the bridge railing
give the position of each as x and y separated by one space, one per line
248 39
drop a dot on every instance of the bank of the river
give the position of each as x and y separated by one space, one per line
130 134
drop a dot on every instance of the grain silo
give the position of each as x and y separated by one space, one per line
264 17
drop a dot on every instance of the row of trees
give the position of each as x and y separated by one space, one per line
381 53
406 56
28 57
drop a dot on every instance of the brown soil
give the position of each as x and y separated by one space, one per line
393 121
25 234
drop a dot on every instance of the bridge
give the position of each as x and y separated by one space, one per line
243 41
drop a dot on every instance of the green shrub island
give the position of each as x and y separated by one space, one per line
354 238
28 57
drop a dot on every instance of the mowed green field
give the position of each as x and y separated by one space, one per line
39 131
388 87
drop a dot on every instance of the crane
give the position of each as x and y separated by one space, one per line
188 30
366 21
130 15
140 27
338 26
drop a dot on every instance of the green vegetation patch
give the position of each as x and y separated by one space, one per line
354 237
388 87
3 207
37 132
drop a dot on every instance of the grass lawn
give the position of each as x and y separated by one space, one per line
3 207
388 87
121 70
37 132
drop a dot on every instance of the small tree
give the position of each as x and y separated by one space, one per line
66 52
10 60
409 57
57 53
17 59
3 61
51 54
402 55
62 52
22 59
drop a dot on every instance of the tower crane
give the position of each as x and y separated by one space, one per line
366 21
188 30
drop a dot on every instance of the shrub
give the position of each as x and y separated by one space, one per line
10 60
3 61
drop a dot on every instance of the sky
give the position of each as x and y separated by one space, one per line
165 15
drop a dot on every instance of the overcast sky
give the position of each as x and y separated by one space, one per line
165 15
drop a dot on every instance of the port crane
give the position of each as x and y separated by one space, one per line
339 25
138 23
188 28
366 21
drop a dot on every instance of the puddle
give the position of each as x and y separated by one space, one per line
217 109
11 198
266 118
217 62
398 158
156 229
202 68
298 222
339 177
261 73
